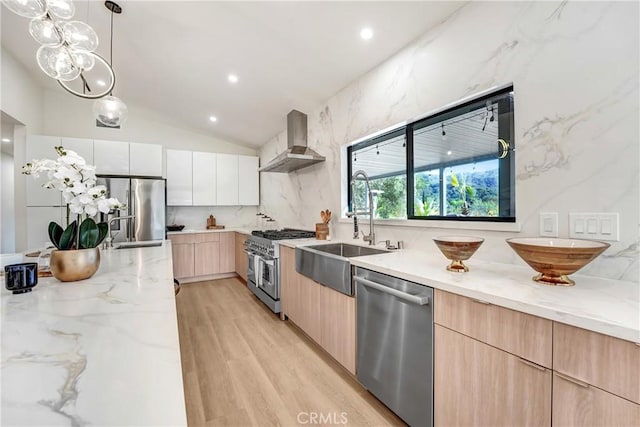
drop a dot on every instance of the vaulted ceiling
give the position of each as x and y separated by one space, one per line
174 56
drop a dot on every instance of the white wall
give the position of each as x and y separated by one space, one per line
7 205
575 69
21 98
67 115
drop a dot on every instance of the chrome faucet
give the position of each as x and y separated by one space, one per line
371 237
108 242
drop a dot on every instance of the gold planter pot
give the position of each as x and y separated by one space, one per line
70 266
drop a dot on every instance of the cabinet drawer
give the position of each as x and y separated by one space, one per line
609 363
524 335
577 404
181 238
206 237
478 385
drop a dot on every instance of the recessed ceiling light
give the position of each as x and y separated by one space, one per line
449 153
213 119
101 83
366 33
232 78
6 140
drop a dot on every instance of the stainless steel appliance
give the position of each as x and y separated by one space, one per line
263 271
146 202
395 344
297 155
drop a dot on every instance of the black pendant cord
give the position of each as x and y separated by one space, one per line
111 47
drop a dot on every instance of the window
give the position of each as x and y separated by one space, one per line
460 162
384 160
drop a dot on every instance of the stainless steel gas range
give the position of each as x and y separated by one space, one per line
263 272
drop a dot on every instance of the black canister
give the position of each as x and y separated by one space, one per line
20 278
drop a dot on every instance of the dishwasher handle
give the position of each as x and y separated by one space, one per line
386 289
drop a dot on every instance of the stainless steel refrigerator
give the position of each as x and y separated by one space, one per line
145 199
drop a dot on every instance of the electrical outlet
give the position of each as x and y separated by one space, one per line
597 226
548 224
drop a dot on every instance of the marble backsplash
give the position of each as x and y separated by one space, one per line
195 217
574 67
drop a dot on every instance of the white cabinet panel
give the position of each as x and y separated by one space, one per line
84 147
145 159
227 180
249 181
179 178
38 219
204 179
111 157
41 147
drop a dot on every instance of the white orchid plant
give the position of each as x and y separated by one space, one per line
71 175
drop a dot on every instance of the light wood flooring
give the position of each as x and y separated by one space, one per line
243 366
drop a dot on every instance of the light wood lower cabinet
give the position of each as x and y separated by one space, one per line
518 333
608 363
480 385
202 255
207 258
325 315
241 259
227 252
576 403
338 326
183 260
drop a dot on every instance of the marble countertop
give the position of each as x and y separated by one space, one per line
610 307
102 351
204 230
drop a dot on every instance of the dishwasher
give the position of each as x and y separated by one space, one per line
395 344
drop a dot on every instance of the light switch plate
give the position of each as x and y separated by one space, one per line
597 226
548 224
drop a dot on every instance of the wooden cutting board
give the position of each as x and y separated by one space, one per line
215 227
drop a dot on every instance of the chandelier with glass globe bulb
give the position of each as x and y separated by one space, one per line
67 52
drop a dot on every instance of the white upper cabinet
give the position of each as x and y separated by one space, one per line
204 179
84 147
227 180
38 219
145 159
211 179
179 178
111 157
249 181
41 147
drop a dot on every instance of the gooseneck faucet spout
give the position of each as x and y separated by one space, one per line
371 237
108 242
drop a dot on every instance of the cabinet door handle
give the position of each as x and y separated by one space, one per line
479 301
572 380
533 365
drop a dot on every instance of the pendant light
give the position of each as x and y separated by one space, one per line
67 47
110 110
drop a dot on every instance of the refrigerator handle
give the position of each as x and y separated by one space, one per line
132 221
127 228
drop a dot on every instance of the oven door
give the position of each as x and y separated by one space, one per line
267 276
251 274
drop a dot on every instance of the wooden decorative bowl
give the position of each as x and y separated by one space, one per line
458 249
555 259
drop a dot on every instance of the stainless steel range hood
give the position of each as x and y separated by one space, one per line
297 155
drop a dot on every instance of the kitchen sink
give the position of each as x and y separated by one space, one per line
346 250
329 264
133 245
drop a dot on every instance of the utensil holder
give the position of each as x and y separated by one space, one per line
322 231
